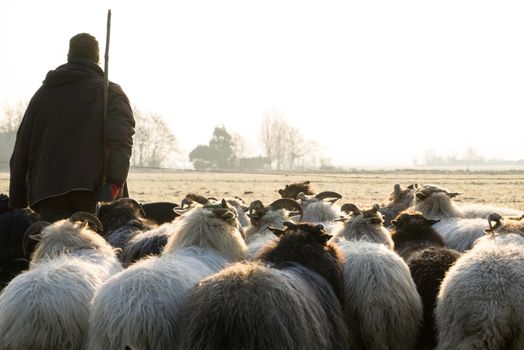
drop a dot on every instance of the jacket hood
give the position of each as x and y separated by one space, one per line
72 71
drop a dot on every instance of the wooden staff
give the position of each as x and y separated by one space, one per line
106 95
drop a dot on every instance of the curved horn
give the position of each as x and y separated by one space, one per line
328 194
138 206
493 217
396 191
185 202
89 218
349 208
278 232
255 205
288 204
290 225
197 198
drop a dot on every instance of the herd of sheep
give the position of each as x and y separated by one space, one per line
417 272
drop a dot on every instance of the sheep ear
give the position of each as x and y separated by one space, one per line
324 238
278 232
454 194
433 222
290 225
228 215
332 201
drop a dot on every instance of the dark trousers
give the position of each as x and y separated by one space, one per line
62 207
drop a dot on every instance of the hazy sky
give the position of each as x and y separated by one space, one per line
374 82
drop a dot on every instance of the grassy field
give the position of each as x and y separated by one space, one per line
362 188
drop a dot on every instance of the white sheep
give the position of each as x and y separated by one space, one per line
367 224
446 207
397 201
47 307
375 279
139 307
458 232
258 234
321 209
382 307
480 303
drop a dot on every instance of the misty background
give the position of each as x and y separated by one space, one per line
291 84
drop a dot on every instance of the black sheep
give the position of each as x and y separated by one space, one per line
289 300
428 260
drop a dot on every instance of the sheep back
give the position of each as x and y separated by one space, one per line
139 306
48 306
249 306
460 234
428 268
381 304
480 303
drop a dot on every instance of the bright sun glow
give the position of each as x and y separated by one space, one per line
373 82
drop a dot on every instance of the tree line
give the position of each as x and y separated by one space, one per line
155 146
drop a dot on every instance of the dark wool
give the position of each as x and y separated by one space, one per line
143 245
412 231
428 268
119 213
292 190
428 259
308 247
289 304
250 306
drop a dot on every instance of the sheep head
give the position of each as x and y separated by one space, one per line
410 220
371 216
313 231
257 210
238 203
223 211
116 214
91 221
306 244
424 192
292 190
327 196
66 237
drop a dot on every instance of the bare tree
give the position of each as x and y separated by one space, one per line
283 144
241 148
13 114
153 141
9 123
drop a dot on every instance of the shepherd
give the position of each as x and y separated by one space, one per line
74 144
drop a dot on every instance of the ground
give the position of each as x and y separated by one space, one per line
503 188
